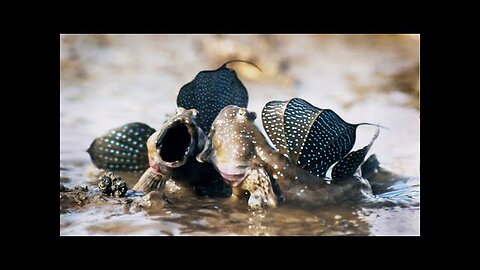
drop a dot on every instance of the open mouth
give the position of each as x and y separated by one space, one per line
233 179
175 145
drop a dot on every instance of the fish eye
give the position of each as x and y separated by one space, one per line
242 112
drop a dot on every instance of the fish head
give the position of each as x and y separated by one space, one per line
176 141
230 144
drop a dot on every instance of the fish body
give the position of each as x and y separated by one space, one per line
171 150
315 139
168 152
246 160
171 156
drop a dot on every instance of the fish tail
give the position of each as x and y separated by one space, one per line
122 148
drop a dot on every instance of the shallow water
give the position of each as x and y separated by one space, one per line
107 81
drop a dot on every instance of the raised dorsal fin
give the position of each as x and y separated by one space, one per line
349 164
122 149
210 92
313 138
272 119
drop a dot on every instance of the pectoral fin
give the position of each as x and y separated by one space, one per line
205 155
260 187
149 181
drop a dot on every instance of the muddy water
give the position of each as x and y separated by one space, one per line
107 81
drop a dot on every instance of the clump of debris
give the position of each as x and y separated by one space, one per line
112 185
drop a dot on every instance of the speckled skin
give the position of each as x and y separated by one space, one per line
246 160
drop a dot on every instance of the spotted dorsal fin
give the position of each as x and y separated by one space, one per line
349 164
122 149
313 138
272 119
210 92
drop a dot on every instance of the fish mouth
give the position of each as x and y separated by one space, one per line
233 175
177 143
233 179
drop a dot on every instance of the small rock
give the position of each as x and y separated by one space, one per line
112 185
153 199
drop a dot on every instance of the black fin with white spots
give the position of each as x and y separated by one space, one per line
272 119
370 166
350 163
122 149
210 92
313 138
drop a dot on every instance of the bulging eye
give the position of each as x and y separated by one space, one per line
242 112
